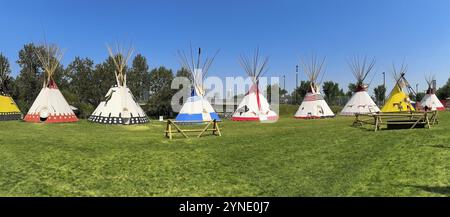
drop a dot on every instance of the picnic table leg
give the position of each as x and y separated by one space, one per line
170 129
216 127
376 124
204 129
167 129
427 120
433 118
414 125
179 130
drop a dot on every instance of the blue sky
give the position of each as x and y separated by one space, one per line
417 31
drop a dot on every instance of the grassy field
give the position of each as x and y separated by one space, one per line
288 158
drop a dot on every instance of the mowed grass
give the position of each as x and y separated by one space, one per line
289 158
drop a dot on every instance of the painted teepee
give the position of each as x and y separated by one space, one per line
254 106
8 108
50 106
196 108
430 100
313 105
119 105
360 102
398 100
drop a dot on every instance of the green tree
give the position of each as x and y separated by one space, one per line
104 79
82 85
444 92
332 92
159 102
419 96
351 89
6 81
380 94
301 91
183 73
30 79
138 77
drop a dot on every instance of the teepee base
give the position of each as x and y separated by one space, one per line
118 120
9 116
314 117
270 118
50 119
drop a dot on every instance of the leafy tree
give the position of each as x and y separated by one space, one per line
444 91
301 91
138 77
332 91
104 79
419 96
82 85
183 73
351 89
159 102
6 81
29 81
380 94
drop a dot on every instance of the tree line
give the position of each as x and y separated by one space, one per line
84 84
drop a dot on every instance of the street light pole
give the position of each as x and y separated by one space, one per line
296 83
384 86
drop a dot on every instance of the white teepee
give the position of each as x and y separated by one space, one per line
119 106
196 108
313 105
360 102
254 106
50 105
430 100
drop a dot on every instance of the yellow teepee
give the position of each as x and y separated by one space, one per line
8 109
398 101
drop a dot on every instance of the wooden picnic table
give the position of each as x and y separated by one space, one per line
399 118
205 127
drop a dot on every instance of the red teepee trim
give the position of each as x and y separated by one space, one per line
257 97
272 118
52 84
51 119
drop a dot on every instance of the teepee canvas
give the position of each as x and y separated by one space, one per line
119 105
430 100
360 102
196 108
398 100
50 105
8 108
254 106
313 105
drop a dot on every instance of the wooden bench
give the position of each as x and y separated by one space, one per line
175 127
397 120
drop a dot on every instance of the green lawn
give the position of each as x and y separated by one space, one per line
288 158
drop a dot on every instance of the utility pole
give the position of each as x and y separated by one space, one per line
296 83
384 85
284 85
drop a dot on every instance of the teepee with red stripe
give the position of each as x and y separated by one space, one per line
430 100
50 106
313 105
254 106
360 102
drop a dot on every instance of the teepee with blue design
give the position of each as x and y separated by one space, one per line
196 108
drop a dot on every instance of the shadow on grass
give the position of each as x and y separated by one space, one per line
438 146
444 190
